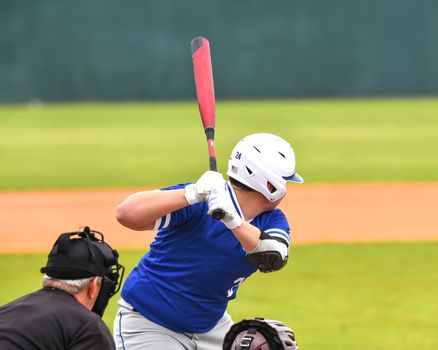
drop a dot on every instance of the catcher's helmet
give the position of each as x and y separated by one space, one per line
265 163
259 334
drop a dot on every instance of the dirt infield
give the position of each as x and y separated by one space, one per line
31 221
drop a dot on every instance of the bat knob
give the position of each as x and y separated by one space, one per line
218 214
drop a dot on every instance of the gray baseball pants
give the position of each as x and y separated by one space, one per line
132 331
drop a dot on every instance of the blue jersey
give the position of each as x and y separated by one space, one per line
194 267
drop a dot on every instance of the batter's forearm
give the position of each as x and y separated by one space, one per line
248 235
140 210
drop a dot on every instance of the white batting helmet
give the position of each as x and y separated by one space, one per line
265 163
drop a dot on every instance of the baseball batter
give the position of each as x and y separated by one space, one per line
176 298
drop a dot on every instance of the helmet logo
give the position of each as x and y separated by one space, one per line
238 155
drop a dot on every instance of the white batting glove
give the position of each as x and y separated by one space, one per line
220 199
199 191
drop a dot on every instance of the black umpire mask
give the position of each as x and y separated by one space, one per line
78 255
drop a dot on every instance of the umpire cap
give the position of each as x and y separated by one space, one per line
81 257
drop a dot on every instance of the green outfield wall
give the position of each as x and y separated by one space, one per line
59 50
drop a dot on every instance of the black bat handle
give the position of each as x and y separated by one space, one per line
217 214
213 165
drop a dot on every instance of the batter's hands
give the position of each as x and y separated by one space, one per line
199 191
219 198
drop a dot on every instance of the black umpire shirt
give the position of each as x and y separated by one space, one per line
51 319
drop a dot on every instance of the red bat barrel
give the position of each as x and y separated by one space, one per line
206 99
204 81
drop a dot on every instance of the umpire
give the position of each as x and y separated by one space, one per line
81 275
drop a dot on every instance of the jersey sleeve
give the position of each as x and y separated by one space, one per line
276 225
177 217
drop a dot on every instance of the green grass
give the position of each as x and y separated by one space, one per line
339 296
116 145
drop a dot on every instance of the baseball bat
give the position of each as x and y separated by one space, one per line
203 73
